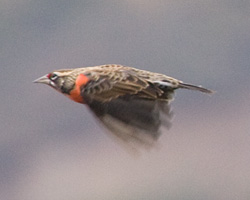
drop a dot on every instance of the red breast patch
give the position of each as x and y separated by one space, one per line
75 94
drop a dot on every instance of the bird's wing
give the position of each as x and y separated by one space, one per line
104 87
135 121
128 106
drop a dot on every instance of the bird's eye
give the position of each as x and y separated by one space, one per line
53 76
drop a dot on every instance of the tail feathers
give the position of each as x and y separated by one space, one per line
194 87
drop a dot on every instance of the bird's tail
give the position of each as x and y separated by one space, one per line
194 87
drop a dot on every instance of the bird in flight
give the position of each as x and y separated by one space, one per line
133 104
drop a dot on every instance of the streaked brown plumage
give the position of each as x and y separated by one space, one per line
132 103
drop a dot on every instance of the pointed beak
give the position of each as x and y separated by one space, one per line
43 79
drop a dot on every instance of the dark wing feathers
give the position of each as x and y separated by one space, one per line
133 119
128 106
104 87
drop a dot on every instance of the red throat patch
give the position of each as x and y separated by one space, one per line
75 94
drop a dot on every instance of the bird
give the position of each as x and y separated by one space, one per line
132 104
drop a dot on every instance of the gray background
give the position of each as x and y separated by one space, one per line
52 148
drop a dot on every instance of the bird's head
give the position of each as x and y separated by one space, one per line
61 80
67 82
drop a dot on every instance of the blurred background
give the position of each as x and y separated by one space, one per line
52 148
